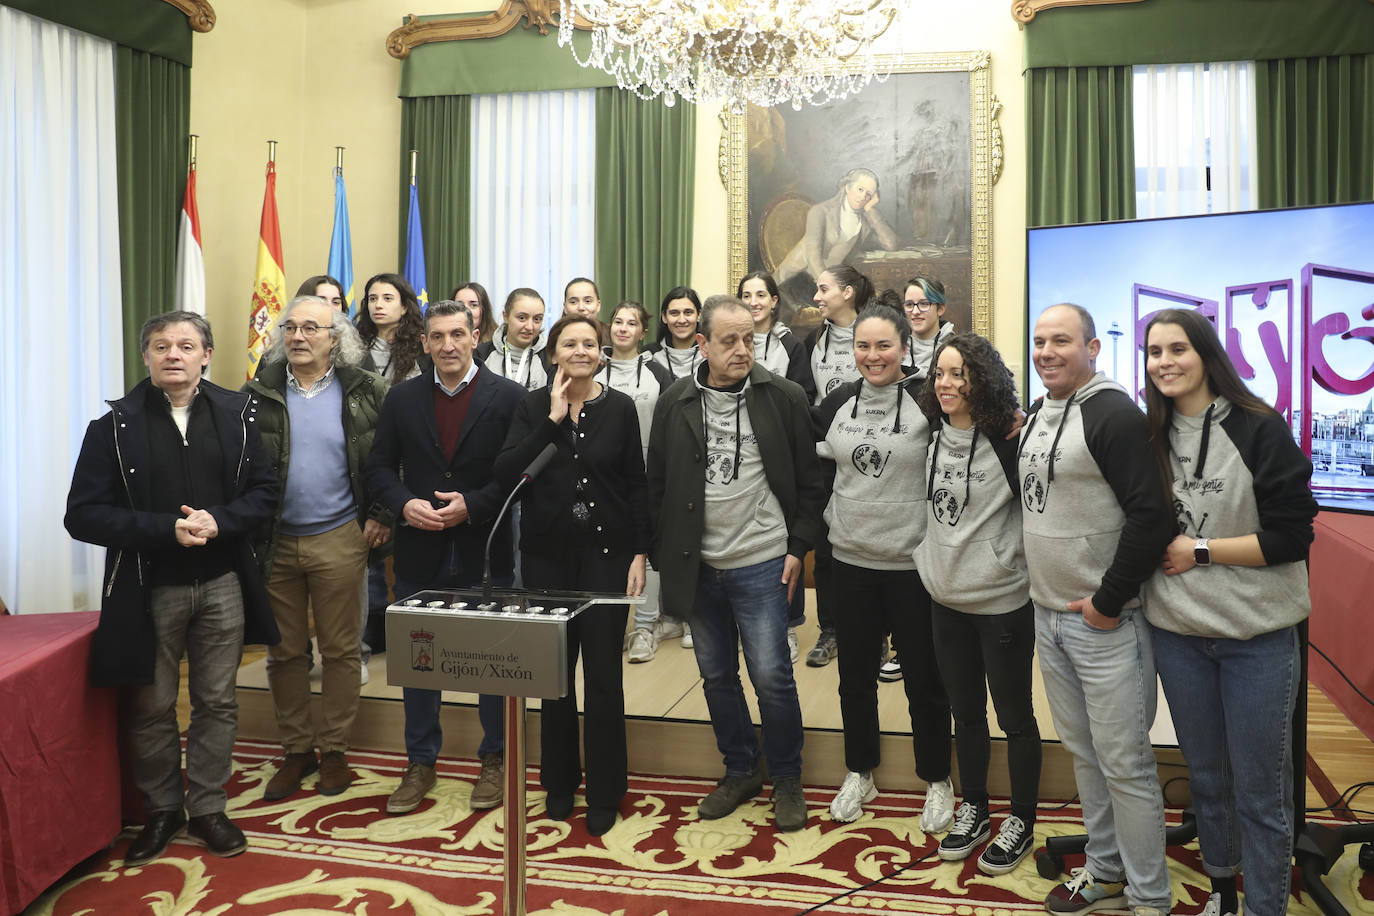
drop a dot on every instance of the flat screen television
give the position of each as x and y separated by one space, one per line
1290 291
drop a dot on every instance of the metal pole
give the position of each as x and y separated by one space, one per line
194 138
414 155
514 852
272 151
338 160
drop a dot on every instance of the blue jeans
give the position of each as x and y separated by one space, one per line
424 735
1101 688
1232 702
748 606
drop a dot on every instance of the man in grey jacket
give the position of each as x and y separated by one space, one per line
1096 523
735 493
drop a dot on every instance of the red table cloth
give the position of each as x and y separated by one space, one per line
1342 577
59 760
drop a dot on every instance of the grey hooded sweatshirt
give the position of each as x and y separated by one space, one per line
920 354
744 521
877 438
971 558
1237 473
832 358
1094 517
525 366
643 380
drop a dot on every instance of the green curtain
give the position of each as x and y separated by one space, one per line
152 120
1316 130
1080 150
437 128
644 185
144 25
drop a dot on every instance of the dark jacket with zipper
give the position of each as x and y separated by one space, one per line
110 504
676 472
363 393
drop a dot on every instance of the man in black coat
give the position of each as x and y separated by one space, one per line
444 429
173 480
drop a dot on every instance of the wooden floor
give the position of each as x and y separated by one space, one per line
669 730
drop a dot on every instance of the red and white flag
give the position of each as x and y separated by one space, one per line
190 267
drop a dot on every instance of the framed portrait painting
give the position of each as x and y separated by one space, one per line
895 180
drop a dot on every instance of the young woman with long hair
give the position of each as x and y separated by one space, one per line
392 327
776 348
1226 602
974 565
876 435
474 296
678 318
584 526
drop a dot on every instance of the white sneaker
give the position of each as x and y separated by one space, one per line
643 645
793 648
364 676
857 791
686 635
1213 907
938 812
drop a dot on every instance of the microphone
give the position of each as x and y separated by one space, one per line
532 470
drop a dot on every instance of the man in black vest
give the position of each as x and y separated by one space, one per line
445 428
173 480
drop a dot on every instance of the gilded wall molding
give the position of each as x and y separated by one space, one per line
199 13
538 14
1024 11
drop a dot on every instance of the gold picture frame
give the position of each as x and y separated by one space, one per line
792 172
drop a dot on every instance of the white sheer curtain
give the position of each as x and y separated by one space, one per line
1189 118
533 177
59 280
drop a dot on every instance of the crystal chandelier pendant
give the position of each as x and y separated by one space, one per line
734 52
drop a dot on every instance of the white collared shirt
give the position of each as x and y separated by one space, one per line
467 380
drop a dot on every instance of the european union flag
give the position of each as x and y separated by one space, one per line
415 251
341 246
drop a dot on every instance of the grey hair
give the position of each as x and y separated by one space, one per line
158 322
854 175
348 346
714 304
448 307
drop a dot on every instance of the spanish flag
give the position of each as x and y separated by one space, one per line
269 287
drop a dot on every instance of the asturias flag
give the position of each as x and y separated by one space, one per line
190 267
415 251
269 287
341 245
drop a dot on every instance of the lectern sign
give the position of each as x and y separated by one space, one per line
510 643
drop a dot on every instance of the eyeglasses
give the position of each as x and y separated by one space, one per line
919 305
309 329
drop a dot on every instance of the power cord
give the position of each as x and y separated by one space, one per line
874 883
1313 646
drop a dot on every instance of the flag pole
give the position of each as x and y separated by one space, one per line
194 138
338 160
272 151
414 155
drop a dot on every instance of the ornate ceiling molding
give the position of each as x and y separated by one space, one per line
1024 11
539 14
199 13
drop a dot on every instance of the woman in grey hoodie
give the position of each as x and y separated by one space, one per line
516 350
874 432
1225 604
974 565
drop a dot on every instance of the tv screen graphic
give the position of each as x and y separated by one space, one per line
1291 292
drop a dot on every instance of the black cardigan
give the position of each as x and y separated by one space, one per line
601 454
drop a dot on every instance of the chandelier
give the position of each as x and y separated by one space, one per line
736 52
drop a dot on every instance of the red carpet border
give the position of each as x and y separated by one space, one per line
311 855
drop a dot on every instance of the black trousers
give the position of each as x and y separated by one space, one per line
598 634
870 603
982 653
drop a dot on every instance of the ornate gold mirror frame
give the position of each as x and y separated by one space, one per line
984 163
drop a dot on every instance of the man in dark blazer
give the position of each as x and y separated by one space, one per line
444 429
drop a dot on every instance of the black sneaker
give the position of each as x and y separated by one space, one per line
1013 843
733 790
152 840
971 827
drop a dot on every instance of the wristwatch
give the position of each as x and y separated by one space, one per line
1202 554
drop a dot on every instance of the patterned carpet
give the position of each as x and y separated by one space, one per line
310 855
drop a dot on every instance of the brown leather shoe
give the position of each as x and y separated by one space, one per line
490 789
415 785
335 776
287 779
